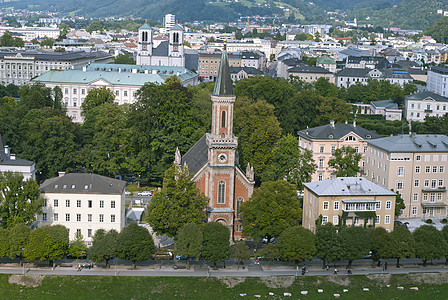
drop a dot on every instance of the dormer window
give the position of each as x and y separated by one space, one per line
350 138
368 136
86 187
330 136
73 186
65 186
56 186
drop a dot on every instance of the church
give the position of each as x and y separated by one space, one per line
167 53
213 160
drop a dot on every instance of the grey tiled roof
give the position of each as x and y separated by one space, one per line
197 156
7 161
248 70
309 69
347 186
337 132
353 72
406 143
390 104
161 50
81 183
426 94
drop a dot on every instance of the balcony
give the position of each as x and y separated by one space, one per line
353 205
434 190
428 111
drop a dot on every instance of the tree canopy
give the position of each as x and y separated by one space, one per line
329 244
296 243
47 243
429 243
104 246
135 243
356 242
216 242
188 241
345 162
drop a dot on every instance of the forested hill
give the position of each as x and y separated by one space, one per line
411 14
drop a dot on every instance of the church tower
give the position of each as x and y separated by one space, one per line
144 45
176 46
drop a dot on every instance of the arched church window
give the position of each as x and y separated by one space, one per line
223 135
239 201
143 36
221 192
223 119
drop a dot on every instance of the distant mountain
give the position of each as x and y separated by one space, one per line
415 14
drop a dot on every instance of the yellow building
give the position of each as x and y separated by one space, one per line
353 201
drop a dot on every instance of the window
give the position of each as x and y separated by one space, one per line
321 149
83 91
432 197
434 169
67 203
388 204
324 220
78 217
223 119
101 218
440 182
239 201
416 182
387 219
426 182
439 196
356 221
335 220
67 217
125 93
55 202
101 203
55 217
325 205
400 185
112 218
78 203
117 93
44 216
417 169
89 203
89 232
333 148
433 183
425 196
112 204
221 192
414 210
427 169
350 138
336 205
320 177
441 169
418 158
75 91
415 197
321 162
365 149
89 218
377 219
378 205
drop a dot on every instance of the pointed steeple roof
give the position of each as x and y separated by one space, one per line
145 26
223 84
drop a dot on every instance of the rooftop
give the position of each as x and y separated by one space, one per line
337 131
409 143
308 69
426 95
348 186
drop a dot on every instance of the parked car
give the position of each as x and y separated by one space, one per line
145 193
127 193
160 255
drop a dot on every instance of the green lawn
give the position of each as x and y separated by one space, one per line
95 287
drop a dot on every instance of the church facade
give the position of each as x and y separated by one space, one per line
167 53
213 160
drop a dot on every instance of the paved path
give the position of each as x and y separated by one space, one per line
248 271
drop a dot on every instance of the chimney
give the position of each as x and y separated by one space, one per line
119 70
61 174
332 123
12 156
84 69
6 149
134 71
354 123
146 71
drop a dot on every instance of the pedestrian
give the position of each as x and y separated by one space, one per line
385 266
335 271
175 267
79 267
327 267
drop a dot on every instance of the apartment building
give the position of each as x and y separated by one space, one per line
83 203
415 166
123 80
322 141
209 64
20 67
345 201
310 74
9 162
437 80
424 104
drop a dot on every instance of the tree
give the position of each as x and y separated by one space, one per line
445 236
124 59
94 26
240 251
296 244
356 242
20 200
404 243
178 203
439 31
332 108
5 237
135 243
289 163
77 246
104 246
345 162
257 129
20 235
325 88
47 43
328 244
216 242
429 243
383 244
63 30
95 97
188 241
47 243
272 208
399 205
7 40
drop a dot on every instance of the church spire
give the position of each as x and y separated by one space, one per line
223 84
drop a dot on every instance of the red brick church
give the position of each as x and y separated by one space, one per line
214 161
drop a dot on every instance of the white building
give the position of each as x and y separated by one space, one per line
31 33
83 203
387 108
420 105
437 80
169 21
167 53
123 80
9 162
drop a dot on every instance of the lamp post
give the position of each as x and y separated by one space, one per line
23 262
